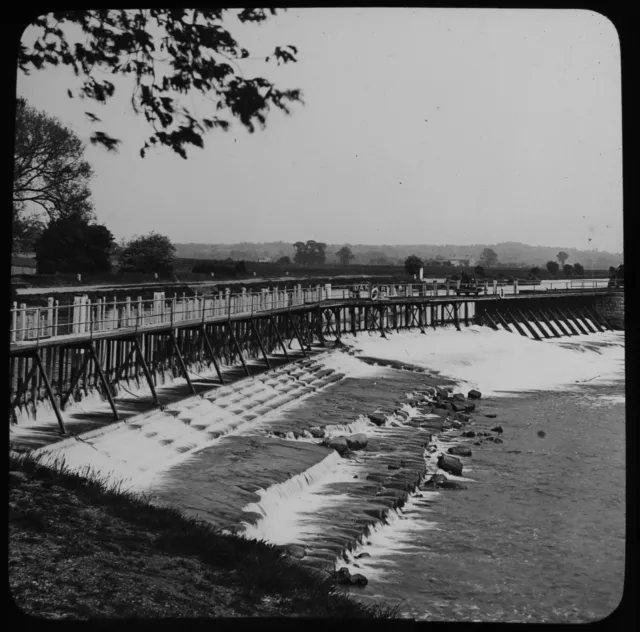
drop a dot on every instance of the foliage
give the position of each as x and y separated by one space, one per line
171 54
345 255
488 258
562 256
553 267
241 267
568 269
49 169
535 272
149 253
412 264
73 245
284 261
578 268
25 231
479 270
309 253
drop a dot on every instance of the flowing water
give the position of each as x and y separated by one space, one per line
539 533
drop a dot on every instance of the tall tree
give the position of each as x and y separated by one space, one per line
50 173
568 269
72 244
553 267
310 253
412 264
149 253
562 256
488 258
578 268
345 255
170 54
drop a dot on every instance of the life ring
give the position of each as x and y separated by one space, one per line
374 294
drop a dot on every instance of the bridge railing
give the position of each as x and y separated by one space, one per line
84 316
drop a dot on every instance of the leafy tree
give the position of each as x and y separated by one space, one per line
578 268
149 253
562 256
568 269
310 253
345 255
553 267
49 173
72 244
412 264
479 270
241 267
25 231
171 54
284 261
488 258
535 272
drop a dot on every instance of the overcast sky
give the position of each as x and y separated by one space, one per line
420 126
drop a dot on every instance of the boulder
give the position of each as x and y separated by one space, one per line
459 450
393 467
459 407
474 394
468 433
498 440
357 579
435 481
442 392
361 555
377 419
280 434
432 424
441 404
469 407
317 432
357 441
459 397
456 424
497 429
450 464
491 415
463 417
343 576
449 389
339 444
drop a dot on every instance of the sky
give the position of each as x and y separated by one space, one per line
433 126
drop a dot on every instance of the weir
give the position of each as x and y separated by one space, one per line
59 357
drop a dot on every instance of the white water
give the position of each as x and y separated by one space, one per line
498 362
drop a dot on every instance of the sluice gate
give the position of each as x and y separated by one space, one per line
145 348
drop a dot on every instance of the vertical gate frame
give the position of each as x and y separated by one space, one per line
49 390
318 317
304 327
381 309
565 321
280 340
145 369
525 324
597 323
578 324
103 379
257 335
237 347
183 366
209 348
555 330
23 390
297 334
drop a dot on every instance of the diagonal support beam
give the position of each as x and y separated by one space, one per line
502 321
23 390
279 337
237 347
297 333
257 335
103 379
145 369
586 312
577 322
74 381
553 328
318 316
562 325
209 348
47 386
525 324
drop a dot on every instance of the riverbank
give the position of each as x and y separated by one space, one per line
80 548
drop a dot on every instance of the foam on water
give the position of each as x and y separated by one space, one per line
287 508
502 363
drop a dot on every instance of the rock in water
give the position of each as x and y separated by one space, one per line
435 481
497 429
469 407
468 433
459 407
317 432
456 424
343 576
459 450
453 485
358 579
339 444
459 397
498 440
361 555
378 420
357 441
450 464
473 394
491 415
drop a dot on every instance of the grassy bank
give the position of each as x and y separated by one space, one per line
80 548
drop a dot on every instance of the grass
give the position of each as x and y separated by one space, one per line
83 548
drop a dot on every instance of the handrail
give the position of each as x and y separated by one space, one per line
55 320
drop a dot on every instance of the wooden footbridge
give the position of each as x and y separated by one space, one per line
58 353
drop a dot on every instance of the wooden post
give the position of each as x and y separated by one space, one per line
297 333
318 314
280 340
380 309
587 330
525 323
555 329
561 321
52 398
103 379
596 323
145 369
490 321
183 367
74 380
502 321
538 323
257 334
237 347
209 348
